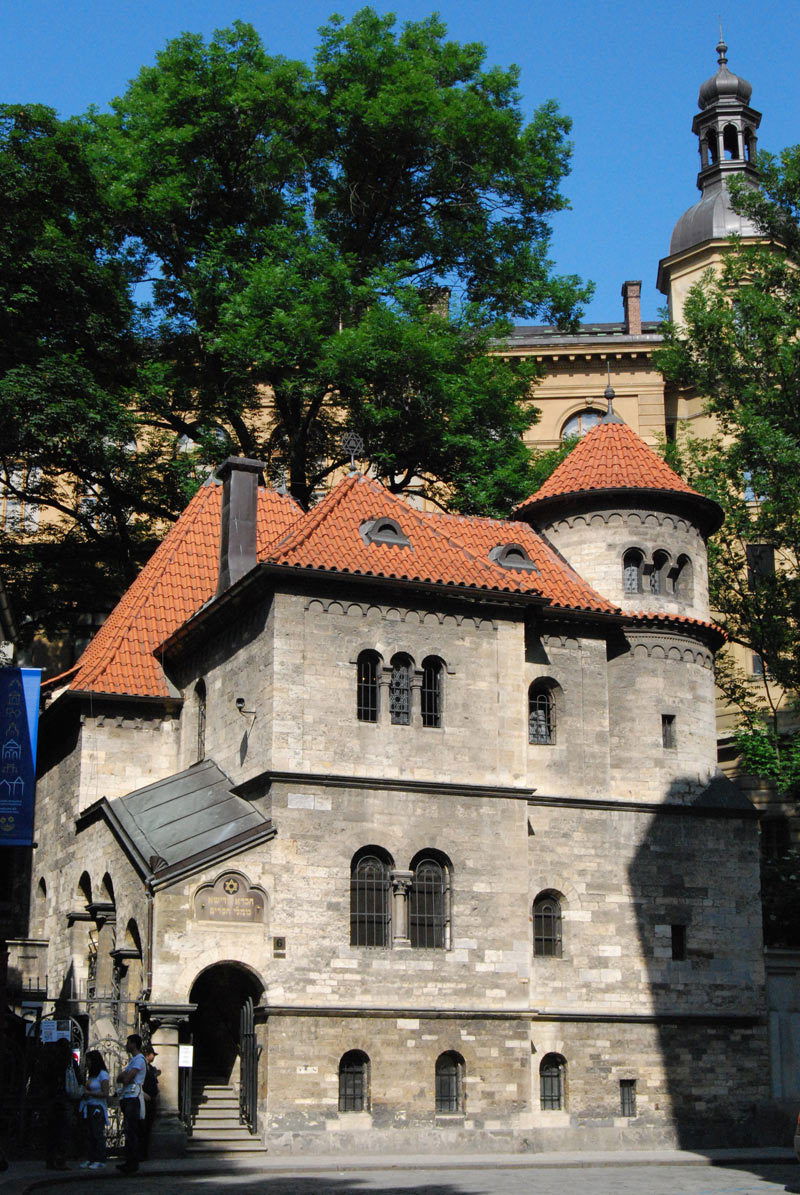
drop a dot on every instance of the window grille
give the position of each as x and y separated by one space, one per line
91 966
775 837
627 1097
431 695
400 691
200 698
354 1082
551 1083
367 696
427 912
541 715
547 927
632 572
668 738
655 579
449 1083
370 919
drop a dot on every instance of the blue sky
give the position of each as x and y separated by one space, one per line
627 73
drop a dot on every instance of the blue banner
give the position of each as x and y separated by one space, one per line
19 724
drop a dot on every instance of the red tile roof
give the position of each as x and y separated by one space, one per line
177 580
610 457
444 549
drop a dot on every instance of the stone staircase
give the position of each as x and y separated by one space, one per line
215 1119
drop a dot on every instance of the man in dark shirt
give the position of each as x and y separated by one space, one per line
150 1092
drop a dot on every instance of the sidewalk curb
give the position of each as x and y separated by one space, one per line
300 1166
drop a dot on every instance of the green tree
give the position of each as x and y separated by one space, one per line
337 246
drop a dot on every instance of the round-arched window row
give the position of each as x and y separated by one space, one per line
370 670
658 575
449 1085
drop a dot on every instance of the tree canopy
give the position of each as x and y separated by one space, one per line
254 255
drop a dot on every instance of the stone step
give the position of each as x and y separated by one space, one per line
210 1119
216 1100
214 1148
235 1132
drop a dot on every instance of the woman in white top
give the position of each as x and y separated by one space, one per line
94 1109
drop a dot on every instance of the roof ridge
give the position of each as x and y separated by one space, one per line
312 518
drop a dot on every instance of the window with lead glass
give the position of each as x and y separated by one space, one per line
400 691
431 695
200 705
541 714
428 922
370 901
551 1082
547 926
367 687
354 1082
449 1082
627 1097
632 571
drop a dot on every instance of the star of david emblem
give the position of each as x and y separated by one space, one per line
231 887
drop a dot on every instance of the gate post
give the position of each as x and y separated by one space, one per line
169 1133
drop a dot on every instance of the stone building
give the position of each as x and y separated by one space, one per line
410 823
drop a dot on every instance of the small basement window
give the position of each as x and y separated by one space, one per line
678 937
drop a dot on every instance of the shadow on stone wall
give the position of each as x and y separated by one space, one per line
694 882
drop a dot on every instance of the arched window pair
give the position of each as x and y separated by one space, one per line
659 575
542 712
423 906
354 1082
552 1083
401 674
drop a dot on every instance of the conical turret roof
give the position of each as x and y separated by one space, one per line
612 458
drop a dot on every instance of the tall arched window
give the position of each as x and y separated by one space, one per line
354 1082
730 142
429 902
547 925
659 572
200 710
552 1074
367 687
450 1082
541 714
683 582
632 563
370 898
431 695
400 690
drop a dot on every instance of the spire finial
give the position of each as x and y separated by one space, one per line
608 394
722 48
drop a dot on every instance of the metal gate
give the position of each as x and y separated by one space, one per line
248 1067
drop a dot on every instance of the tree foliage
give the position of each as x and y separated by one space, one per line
255 255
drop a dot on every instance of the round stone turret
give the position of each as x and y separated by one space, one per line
626 522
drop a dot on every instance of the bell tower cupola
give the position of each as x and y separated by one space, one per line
725 128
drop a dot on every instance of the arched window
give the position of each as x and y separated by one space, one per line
547 926
683 582
370 900
730 142
367 687
200 711
552 1074
400 690
713 147
580 424
354 1082
658 572
449 1082
431 695
541 714
429 902
632 571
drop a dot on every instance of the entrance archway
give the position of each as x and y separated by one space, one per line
221 993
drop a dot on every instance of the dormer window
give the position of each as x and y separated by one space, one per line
513 556
384 531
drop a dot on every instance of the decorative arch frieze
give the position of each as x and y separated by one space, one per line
394 614
669 647
632 519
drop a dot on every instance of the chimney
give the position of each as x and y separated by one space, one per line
240 478
632 307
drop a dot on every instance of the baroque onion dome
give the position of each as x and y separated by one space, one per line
725 128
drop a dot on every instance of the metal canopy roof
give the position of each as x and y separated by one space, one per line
186 820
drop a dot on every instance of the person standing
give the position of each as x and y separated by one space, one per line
94 1109
60 1086
131 1100
150 1093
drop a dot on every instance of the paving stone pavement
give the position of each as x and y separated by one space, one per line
753 1179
